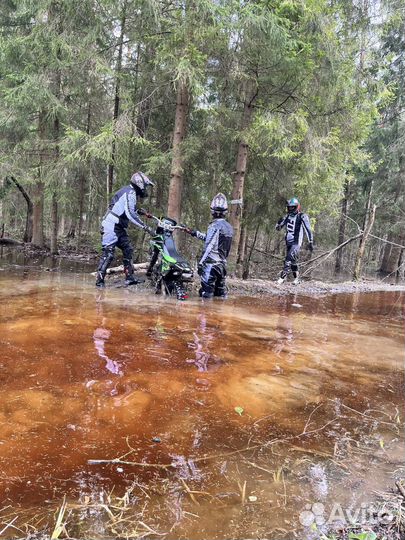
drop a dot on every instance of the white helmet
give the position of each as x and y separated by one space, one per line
219 204
140 182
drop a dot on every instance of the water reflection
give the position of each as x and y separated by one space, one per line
319 387
100 337
203 359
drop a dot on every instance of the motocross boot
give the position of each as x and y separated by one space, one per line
105 261
130 278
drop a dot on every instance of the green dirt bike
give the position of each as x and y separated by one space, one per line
169 271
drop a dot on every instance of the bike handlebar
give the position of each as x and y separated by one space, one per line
166 226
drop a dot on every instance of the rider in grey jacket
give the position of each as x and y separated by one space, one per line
121 211
217 245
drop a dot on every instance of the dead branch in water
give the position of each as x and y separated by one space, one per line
166 466
134 463
189 492
121 461
10 524
242 489
372 418
310 416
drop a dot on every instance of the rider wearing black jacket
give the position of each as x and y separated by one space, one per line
296 224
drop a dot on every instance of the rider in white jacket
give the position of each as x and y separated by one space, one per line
121 211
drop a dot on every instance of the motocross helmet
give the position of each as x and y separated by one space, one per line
140 183
219 205
293 205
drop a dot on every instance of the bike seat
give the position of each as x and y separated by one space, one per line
170 249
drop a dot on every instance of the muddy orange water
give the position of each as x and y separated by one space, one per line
257 408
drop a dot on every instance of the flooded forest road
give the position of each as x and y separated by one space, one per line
230 419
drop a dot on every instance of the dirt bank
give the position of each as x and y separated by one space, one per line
261 287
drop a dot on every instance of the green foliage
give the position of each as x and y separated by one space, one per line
325 80
368 535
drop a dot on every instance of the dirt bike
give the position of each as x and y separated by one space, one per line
171 273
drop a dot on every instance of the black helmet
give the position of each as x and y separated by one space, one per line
219 205
140 183
293 205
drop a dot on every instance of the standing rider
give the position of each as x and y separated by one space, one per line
218 240
121 211
295 223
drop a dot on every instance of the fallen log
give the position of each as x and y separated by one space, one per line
266 253
119 269
10 242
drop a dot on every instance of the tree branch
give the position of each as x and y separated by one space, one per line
327 254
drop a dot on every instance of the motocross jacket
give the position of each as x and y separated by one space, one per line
218 240
295 225
122 209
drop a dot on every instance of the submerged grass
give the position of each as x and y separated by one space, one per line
116 517
169 498
124 516
140 510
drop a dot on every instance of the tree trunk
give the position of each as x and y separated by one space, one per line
54 223
82 184
30 209
246 262
342 226
385 262
400 269
176 172
2 182
242 244
235 215
392 254
111 165
368 225
54 200
62 224
38 214
54 127
82 193
38 188
71 233
216 169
